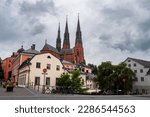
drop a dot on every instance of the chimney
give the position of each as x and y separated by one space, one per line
33 47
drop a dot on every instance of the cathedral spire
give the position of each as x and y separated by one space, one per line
58 40
78 41
78 24
66 28
66 43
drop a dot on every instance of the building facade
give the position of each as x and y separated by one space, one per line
31 72
22 55
75 54
7 67
141 84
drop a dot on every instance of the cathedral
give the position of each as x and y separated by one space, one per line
64 51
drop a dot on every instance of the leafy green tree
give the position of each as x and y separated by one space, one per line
104 75
71 82
124 77
94 68
114 77
1 72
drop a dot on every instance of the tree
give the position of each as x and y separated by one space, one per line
72 82
94 68
1 72
114 77
124 77
104 73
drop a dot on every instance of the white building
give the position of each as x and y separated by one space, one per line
141 68
31 72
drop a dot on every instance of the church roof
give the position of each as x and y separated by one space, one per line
49 47
66 51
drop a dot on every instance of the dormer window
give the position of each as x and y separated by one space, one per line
49 57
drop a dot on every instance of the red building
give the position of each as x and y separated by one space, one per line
22 56
75 54
7 66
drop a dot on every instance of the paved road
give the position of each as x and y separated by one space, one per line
29 94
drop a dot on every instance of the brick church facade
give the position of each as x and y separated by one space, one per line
63 51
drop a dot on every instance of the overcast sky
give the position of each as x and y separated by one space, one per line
112 30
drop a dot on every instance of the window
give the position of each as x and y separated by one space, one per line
48 57
136 79
47 80
58 68
37 80
57 81
38 65
134 64
141 70
9 65
142 79
135 71
82 69
87 71
129 65
129 60
48 66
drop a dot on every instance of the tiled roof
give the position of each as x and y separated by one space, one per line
66 62
49 47
146 64
148 73
31 51
66 51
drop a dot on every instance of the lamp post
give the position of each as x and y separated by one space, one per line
44 73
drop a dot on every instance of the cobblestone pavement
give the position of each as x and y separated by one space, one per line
30 94
16 92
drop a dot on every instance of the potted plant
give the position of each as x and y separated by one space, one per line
9 86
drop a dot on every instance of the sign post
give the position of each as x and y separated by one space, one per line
44 73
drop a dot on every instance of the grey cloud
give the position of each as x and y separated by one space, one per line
39 8
38 29
8 27
120 21
117 14
144 26
145 4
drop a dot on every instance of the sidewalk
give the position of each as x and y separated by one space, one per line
17 91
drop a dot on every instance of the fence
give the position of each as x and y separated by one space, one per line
47 89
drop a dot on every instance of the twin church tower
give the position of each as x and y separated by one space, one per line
75 54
